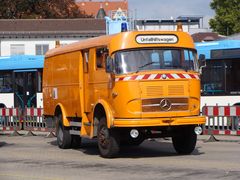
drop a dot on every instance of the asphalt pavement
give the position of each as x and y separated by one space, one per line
39 158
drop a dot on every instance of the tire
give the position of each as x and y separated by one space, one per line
185 140
64 139
76 141
108 140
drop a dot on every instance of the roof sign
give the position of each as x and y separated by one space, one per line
157 39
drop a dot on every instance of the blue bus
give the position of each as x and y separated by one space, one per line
220 81
21 81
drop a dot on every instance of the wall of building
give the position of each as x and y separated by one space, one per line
30 44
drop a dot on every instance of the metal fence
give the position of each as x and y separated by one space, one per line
221 120
28 119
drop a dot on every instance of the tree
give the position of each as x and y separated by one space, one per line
39 9
227 18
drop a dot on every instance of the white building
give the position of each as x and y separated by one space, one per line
190 24
36 36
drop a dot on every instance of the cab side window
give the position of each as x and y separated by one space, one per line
85 60
101 55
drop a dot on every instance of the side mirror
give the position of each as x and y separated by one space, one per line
109 65
202 60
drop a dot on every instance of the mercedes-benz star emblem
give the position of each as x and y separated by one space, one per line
165 105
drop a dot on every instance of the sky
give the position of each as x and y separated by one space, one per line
165 9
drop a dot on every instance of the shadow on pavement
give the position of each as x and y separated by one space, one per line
146 149
5 144
152 149
53 143
88 146
2 144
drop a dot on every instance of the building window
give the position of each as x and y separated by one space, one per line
41 49
17 49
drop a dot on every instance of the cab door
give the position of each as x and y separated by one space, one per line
95 77
87 76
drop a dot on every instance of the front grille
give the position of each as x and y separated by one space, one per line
154 105
154 91
175 90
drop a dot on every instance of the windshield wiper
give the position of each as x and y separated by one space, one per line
147 64
140 67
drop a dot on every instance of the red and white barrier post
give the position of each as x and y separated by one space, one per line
34 121
10 120
222 120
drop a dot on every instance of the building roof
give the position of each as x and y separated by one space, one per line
165 22
91 7
52 27
190 18
206 36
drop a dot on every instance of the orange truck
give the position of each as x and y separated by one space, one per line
123 89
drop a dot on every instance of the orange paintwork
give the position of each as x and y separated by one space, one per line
77 92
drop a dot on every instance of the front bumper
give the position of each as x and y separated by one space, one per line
147 122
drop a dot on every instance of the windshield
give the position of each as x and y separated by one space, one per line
154 59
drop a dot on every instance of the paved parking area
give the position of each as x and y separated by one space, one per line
39 158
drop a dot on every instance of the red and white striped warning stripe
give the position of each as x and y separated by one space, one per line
9 112
221 132
7 128
158 76
221 110
34 112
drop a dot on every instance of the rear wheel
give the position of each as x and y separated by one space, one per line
64 138
108 140
185 140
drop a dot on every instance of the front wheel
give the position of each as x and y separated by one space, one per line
108 140
76 141
184 141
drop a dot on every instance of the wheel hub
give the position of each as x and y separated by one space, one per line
104 137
